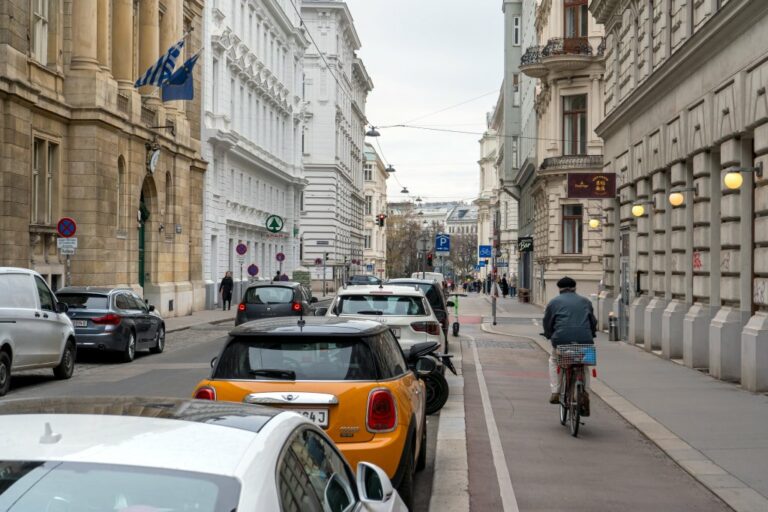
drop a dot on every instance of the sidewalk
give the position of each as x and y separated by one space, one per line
208 316
715 430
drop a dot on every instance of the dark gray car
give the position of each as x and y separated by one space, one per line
113 319
274 298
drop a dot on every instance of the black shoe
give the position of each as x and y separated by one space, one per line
585 404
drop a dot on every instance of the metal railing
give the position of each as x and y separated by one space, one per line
567 46
601 47
573 162
148 115
123 103
532 55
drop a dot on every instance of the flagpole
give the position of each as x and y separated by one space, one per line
184 36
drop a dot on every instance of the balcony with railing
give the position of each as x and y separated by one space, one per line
567 53
530 63
572 162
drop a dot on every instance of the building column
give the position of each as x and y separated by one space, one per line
84 35
122 35
103 35
149 37
170 35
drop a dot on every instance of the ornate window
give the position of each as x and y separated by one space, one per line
45 165
573 218
575 125
576 18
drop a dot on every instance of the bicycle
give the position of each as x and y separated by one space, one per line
571 361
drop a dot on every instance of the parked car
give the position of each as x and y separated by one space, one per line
35 331
348 377
434 276
404 309
113 319
435 294
364 279
269 299
127 454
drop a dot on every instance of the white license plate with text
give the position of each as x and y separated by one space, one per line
80 323
396 331
317 416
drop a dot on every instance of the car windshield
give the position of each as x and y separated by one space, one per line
84 300
35 486
388 305
296 358
269 295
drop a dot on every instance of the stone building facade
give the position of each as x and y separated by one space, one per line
336 89
685 104
375 203
252 130
487 201
76 140
568 62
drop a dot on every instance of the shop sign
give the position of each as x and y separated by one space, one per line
592 185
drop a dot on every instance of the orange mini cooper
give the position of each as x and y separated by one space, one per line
350 377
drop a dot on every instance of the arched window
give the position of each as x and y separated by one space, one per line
168 203
120 192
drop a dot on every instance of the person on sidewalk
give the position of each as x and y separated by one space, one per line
568 320
225 290
504 286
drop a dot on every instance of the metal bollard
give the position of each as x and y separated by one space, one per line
613 327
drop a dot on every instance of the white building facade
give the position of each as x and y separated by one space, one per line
252 126
374 204
336 89
488 196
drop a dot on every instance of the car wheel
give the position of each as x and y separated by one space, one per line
130 348
5 373
421 461
67 365
159 341
405 489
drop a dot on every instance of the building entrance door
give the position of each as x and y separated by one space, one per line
624 283
143 218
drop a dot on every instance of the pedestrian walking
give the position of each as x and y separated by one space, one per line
284 277
504 286
225 290
277 276
513 286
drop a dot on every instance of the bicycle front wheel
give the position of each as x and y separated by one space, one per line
564 397
575 408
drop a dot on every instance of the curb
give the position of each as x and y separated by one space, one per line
735 493
450 478
186 327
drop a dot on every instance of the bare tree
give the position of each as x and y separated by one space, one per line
464 253
402 253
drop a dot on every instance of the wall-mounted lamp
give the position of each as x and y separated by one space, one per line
677 197
596 222
638 210
733 179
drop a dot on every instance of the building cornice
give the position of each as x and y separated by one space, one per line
602 9
338 6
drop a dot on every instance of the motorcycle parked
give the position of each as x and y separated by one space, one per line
430 366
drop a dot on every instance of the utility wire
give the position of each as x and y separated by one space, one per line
427 128
451 107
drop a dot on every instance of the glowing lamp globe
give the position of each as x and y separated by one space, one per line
594 223
676 198
638 210
733 180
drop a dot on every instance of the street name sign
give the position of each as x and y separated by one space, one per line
67 251
274 224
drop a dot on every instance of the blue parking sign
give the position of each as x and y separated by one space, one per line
442 242
485 251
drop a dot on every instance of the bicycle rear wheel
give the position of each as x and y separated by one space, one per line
575 401
564 397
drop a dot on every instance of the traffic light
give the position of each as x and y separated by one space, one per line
326 256
429 259
380 220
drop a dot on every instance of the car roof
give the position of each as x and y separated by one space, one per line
192 435
413 280
313 325
92 289
17 270
381 289
287 284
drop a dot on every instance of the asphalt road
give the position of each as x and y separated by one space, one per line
185 361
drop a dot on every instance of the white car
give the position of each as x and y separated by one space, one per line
404 309
124 454
35 331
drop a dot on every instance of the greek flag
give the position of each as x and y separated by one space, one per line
161 70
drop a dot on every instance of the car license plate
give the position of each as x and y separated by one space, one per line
81 323
317 416
396 331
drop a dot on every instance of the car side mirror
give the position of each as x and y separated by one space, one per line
373 483
313 300
151 307
321 311
425 366
450 304
62 307
214 361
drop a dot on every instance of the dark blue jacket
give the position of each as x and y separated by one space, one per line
569 319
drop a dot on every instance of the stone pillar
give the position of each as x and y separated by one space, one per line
122 43
754 353
637 319
84 35
170 35
672 327
149 37
696 332
605 308
102 49
725 343
654 313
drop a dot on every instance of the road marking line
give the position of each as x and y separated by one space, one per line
507 492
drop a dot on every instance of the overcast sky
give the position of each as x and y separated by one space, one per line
424 56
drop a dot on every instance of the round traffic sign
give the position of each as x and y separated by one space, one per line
280 256
241 249
318 261
66 227
253 270
274 223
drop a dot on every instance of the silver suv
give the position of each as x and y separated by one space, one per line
35 331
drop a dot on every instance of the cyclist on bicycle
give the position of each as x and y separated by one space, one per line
568 320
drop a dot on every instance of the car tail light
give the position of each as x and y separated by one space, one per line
428 327
108 319
205 393
382 412
295 307
241 307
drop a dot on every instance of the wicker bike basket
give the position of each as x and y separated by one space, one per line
568 355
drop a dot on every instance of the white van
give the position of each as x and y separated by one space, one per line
434 276
35 331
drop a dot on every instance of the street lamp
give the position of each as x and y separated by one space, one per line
390 169
733 179
676 196
404 191
373 132
638 210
